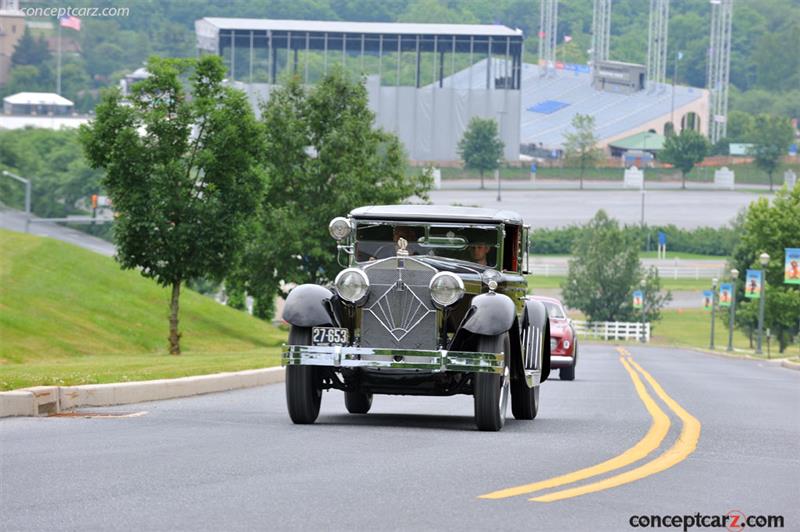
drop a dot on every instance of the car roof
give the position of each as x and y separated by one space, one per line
437 213
546 298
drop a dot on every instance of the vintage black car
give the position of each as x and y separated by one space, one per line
431 302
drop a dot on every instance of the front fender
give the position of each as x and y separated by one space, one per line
308 305
491 314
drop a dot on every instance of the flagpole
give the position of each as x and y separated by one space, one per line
58 63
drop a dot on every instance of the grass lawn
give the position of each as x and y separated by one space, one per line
70 316
538 282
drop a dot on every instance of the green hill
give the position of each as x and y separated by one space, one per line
69 316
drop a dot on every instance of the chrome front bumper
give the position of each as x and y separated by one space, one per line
561 361
434 361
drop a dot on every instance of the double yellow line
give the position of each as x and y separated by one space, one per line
683 447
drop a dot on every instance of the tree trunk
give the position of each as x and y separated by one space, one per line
683 180
581 177
481 179
174 335
770 181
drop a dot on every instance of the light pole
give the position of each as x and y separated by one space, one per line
642 284
764 260
732 310
713 309
27 183
500 114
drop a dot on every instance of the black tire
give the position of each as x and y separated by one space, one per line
568 374
357 402
524 400
303 384
491 389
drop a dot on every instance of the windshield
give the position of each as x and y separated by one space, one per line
477 244
554 310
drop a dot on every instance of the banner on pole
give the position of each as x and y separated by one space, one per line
752 284
638 299
792 268
725 294
708 299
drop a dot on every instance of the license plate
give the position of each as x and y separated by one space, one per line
329 336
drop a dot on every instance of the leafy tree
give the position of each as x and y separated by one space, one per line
481 148
770 228
25 78
181 170
61 178
30 51
772 135
604 271
684 151
580 145
323 157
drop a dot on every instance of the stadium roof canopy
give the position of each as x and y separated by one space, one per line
213 32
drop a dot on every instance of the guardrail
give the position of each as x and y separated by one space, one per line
613 330
665 272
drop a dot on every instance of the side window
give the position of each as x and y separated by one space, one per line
511 248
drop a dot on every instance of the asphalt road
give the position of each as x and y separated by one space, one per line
234 461
15 221
555 208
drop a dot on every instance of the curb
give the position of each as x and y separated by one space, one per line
46 400
790 365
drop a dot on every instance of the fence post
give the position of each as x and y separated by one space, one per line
647 332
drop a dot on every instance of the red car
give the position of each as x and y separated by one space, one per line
563 340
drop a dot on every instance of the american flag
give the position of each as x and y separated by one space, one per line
68 21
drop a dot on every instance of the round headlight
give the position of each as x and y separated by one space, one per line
446 288
339 228
352 285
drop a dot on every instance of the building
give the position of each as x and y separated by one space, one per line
38 109
12 26
549 102
407 67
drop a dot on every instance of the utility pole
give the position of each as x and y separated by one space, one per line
732 311
764 260
714 282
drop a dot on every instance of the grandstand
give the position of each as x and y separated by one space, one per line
549 102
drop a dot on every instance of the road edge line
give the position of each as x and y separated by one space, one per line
32 401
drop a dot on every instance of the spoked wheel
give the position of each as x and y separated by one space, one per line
303 383
524 400
491 389
357 402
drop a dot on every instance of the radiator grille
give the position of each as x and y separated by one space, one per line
398 312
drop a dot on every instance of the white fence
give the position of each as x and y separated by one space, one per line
665 272
613 330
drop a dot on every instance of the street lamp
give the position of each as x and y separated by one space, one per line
27 183
642 284
764 260
732 310
713 309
